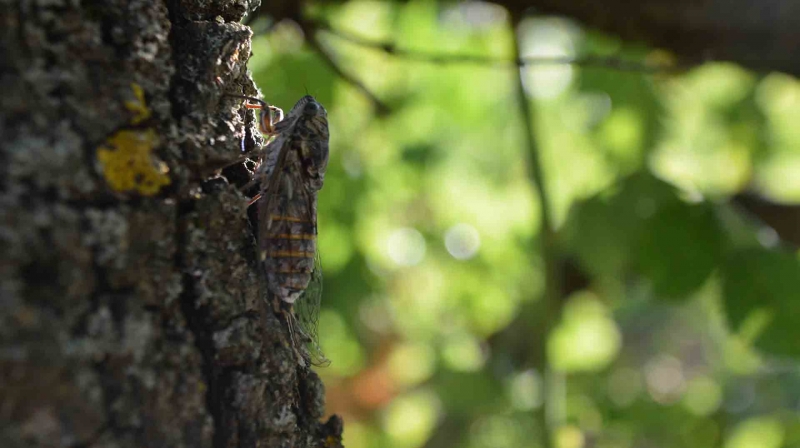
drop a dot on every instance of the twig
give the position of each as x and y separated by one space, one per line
551 412
611 63
313 40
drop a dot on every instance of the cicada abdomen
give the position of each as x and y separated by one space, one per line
288 240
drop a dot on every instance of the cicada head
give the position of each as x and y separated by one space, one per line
311 137
309 107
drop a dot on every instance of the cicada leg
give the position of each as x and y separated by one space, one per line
269 115
255 198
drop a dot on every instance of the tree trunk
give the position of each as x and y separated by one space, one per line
134 312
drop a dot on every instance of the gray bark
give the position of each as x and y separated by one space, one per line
136 316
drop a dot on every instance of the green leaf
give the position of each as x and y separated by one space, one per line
647 228
605 229
599 237
762 298
680 247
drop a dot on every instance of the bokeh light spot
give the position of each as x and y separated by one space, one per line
761 432
464 353
410 419
569 436
586 339
703 396
546 39
406 246
476 14
412 363
665 379
622 134
462 241
525 390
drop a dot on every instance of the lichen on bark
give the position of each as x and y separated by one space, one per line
132 319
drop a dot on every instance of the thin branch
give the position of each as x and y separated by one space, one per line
611 63
324 53
551 414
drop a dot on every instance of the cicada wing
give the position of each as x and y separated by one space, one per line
307 310
271 172
273 159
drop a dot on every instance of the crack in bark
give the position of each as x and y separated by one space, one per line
176 22
194 322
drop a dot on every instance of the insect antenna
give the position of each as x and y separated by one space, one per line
249 98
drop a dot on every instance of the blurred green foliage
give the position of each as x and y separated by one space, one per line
429 223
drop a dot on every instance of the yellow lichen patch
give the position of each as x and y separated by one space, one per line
138 107
128 164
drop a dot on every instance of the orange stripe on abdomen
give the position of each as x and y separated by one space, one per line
287 218
290 270
288 251
290 254
287 236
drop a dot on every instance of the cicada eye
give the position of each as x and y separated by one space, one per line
311 108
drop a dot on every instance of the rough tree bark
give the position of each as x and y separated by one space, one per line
132 308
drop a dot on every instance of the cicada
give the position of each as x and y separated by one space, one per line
291 173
